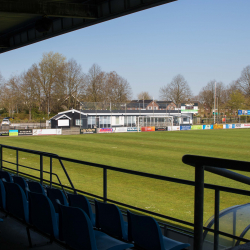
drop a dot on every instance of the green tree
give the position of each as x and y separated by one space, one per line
236 100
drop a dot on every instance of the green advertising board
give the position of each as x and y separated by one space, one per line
196 127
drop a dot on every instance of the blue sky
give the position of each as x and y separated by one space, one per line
200 39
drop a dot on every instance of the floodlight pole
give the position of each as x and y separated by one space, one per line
214 99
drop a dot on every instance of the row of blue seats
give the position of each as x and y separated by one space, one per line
77 219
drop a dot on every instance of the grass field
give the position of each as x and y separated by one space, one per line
156 152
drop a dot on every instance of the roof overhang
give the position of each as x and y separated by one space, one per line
25 22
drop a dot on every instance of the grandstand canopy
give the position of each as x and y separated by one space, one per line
24 22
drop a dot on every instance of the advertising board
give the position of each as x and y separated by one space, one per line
218 126
106 130
133 129
25 132
4 133
207 126
243 112
47 131
185 127
87 130
245 125
237 125
121 130
161 128
229 126
175 128
13 132
148 129
195 127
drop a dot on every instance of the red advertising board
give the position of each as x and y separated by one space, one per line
148 129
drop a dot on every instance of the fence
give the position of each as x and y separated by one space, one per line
198 162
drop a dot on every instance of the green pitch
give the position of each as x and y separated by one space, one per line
152 152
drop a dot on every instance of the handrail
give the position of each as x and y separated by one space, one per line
201 163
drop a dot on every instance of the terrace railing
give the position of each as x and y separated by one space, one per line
197 161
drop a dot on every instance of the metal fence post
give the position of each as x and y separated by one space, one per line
41 169
50 172
17 168
105 185
198 207
1 157
216 218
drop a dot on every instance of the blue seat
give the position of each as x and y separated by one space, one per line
109 219
6 176
16 201
56 194
43 215
36 187
79 234
82 202
2 196
22 183
146 234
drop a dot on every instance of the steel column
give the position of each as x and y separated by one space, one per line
50 172
41 169
105 185
17 168
198 207
216 218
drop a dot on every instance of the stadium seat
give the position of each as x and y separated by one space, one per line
2 196
22 183
82 202
109 219
36 187
6 176
43 215
56 194
145 232
16 201
79 234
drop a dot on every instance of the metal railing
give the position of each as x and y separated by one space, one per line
199 185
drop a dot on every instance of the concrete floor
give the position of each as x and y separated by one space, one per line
13 236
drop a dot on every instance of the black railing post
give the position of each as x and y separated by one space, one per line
17 168
41 169
105 185
1 157
198 206
216 218
50 172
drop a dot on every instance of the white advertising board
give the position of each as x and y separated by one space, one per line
173 128
121 130
47 131
63 123
245 125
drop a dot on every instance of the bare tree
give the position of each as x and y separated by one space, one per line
117 89
244 81
177 90
30 90
95 84
46 74
206 95
144 95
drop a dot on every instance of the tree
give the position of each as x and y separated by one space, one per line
244 81
117 89
30 90
177 90
95 84
236 100
46 76
206 95
144 95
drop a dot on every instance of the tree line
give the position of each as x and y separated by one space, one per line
55 84
234 96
